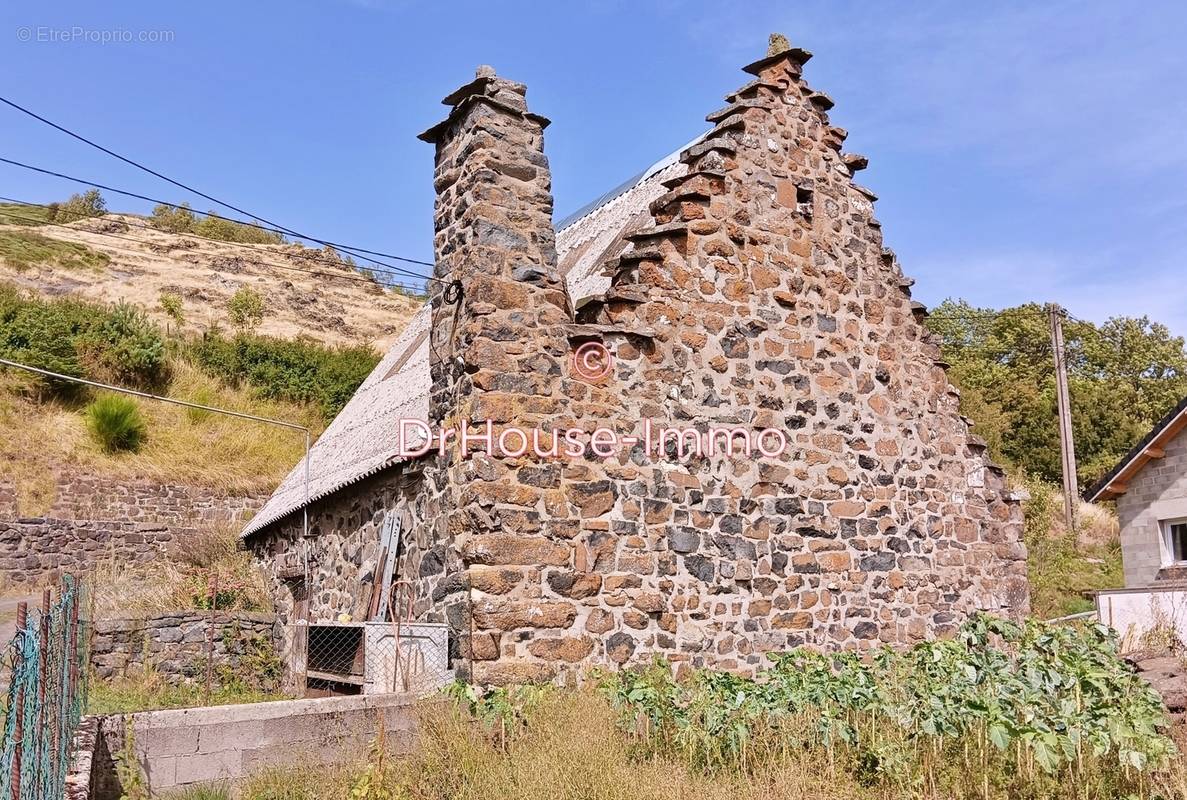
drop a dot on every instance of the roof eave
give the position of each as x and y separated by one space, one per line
1116 482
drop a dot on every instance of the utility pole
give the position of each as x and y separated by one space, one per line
1067 445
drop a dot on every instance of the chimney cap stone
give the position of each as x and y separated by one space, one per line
484 71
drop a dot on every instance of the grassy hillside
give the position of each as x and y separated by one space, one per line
184 271
48 425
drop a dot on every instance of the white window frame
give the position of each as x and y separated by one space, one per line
1168 544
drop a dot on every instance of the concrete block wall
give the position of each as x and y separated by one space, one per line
1158 492
226 744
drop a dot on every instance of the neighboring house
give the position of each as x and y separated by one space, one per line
740 283
1150 489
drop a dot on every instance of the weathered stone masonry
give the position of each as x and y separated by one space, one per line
761 297
176 646
92 519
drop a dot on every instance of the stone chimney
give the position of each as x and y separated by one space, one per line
497 344
494 240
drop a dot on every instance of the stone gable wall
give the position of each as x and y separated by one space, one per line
762 297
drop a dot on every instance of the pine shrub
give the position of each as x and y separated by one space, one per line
115 423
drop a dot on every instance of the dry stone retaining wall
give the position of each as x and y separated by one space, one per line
88 497
38 550
92 519
175 645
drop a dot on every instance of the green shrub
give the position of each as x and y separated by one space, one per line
181 219
297 370
173 220
215 227
81 339
127 347
246 308
80 206
115 423
171 304
43 333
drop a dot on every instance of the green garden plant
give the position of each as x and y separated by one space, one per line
1016 708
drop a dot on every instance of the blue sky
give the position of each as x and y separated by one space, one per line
1022 151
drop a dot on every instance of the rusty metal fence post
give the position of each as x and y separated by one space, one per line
18 666
46 695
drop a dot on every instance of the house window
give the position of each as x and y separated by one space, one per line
1175 531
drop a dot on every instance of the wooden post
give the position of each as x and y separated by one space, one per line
1067 445
210 638
22 622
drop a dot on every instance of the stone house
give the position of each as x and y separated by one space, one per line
740 283
1149 487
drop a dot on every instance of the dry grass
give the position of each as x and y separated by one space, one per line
181 582
1097 526
214 450
572 750
147 690
206 275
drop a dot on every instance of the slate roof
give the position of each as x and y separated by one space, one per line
363 439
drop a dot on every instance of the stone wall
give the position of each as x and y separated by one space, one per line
40 549
762 297
336 566
175 645
1158 492
91 519
89 497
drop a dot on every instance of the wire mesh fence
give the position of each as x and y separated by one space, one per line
386 653
46 670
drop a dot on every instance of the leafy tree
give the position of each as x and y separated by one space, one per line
173 220
246 309
80 206
1123 376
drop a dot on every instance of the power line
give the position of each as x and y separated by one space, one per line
352 277
247 246
187 404
146 198
191 189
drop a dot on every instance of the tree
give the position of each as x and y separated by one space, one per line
80 206
1123 377
246 309
171 304
172 219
